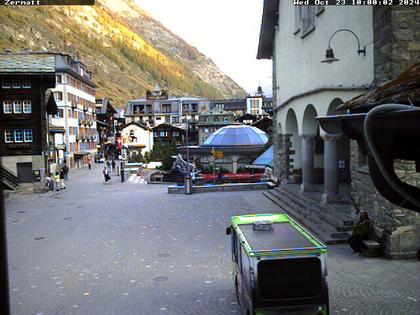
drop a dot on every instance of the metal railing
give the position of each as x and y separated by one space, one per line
8 177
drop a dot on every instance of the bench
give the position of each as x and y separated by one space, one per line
371 248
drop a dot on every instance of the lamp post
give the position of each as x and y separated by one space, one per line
187 179
329 54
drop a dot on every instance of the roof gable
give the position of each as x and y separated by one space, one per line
269 21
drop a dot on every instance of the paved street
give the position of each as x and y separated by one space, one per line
133 249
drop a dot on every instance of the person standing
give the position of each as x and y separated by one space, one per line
62 177
57 180
361 232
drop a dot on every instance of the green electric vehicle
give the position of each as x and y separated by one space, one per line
278 266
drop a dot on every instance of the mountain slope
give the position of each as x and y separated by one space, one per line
126 49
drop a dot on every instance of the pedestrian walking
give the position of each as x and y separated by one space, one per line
89 161
106 175
113 165
66 172
62 176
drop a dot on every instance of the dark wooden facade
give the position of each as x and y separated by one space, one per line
34 120
168 134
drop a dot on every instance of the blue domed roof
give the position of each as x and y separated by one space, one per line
236 135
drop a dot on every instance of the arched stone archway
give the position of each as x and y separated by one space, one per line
309 122
292 132
337 161
332 109
310 130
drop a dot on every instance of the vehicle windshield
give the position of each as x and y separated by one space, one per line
289 278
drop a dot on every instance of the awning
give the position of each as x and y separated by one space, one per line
56 129
266 158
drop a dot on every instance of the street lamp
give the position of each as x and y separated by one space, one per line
187 179
329 54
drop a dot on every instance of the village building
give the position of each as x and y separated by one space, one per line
106 126
254 104
137 137
75 97
26 147
246 119
322 173
236 105
105 119
212 120
167 134
160 108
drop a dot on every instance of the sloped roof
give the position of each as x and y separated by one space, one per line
169 126
405 89
268 23
26 63
106 104
138 125
236 135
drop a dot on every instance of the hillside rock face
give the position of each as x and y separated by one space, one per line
125 48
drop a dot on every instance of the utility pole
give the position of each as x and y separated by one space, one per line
187 179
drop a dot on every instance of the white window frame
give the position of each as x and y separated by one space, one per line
6 84
59 78
28 104
15 134
16 84
56 96
8 133
26 83
6 104
17 104
31 135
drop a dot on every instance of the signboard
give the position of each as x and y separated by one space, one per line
217 154
36 175
61 147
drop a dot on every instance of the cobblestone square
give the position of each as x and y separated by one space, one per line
133 249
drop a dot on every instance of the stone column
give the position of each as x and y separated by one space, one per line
234 164
330 168
307 161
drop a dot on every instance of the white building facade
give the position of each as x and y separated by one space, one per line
75 97
159 108
304 87
136 136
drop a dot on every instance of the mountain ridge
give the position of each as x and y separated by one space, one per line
126 49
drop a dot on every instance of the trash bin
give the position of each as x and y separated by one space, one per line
188 185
